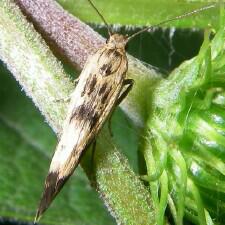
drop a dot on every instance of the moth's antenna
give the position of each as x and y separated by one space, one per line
108 27
173 19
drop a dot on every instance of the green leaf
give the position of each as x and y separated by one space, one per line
142 12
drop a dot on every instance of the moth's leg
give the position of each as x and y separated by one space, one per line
129 83
93 152
110 125
92 175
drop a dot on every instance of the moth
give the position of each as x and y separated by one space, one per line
101 87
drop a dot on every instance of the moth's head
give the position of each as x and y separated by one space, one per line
118 41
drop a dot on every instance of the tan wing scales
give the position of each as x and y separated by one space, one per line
99 86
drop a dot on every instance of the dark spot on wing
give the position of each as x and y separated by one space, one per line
117 54
104 92
105 95
86 113
109 52
92 85
89 86
105 70
82 112
102 89
108 70
84 91
104 67
94 120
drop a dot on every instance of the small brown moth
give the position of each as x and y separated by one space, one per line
102 85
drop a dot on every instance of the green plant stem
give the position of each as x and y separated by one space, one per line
43 79
32 64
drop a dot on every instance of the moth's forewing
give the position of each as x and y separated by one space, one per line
96 93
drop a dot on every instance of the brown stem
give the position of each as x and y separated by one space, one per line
66 34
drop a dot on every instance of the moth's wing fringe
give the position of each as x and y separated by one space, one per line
53 184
